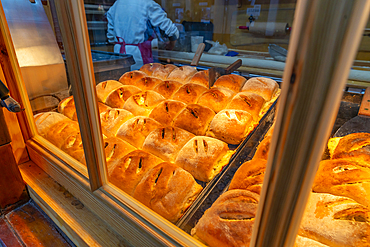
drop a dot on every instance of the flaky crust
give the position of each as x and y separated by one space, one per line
182 74
136 129
118 97
249 102
112 119
149 68
350 143
189 93
130 169
166 142
167 88
141 104
229 222
265 87
166 111
201 78
163 72
103 89
216 98
231 82
249 176
114 149
201 155
168 190
147 83
195 119
131 77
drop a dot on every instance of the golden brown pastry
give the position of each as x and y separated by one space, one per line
265 87
229 221
58 133
336 221
103 89
361 154
166 111
167 88
201 78
141 104
136 129
131 77
163 72
149 68
168 190
249 102
231 126
118 97
112 120
166 142
189 93
130 169
45 120
182 74
114 149
194 118
204 157
343 177
74 147
307 242
231 82
147 83
216 98
350 143
249 176
263 148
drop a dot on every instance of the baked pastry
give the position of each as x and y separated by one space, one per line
362 155
201 78
263 148
182 74
167 88
163 72
168 190
136 129
249 176
216 98
229 221
130 169
204 157
118 97
231 82
74 147
189 93
343 177
141 104
231 126
249 102
166 111
265 87
149 68
112 119
350 143
103 89
45 120
147 83
166 142
114 149
307 242
58 133
195 119
131 77
335 221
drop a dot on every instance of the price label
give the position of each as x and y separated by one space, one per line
254 11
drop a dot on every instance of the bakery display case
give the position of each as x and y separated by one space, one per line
171 153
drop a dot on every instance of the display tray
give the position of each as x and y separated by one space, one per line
213 189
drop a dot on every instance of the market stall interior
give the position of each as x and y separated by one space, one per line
169 146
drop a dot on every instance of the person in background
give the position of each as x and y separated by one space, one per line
132 25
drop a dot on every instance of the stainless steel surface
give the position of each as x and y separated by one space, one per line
323 45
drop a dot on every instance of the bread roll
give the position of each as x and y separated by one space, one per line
58 133
147 83
231 126
141 104
249 102
163 72
115 149
204 157
343 177
263 148
182 74
131 77
167 88
216 98
201 78
166 111
166 142
45 120
136 129
265 87
189 93
74 147
112 119
335 221
103 89
168 190
362 155
130 169
307 242
249 176
149 68
350 143
118 97
231 82
229 222
195 119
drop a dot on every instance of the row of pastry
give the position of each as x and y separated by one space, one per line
337 212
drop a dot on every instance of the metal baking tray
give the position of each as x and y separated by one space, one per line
212 190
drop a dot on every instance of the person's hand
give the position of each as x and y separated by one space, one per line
170 45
